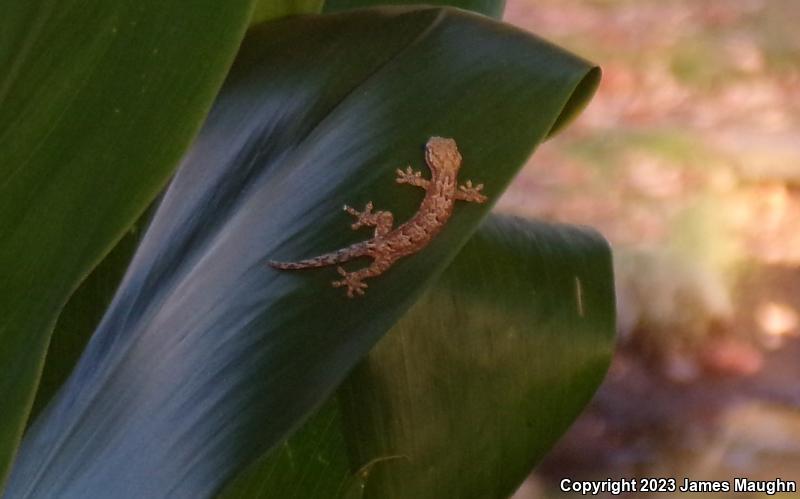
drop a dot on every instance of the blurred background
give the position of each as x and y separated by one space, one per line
688 161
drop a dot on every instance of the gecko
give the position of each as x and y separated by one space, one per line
389 244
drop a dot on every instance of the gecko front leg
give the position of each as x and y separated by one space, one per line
412 177
470 193
381 220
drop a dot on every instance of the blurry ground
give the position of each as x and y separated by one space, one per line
688 161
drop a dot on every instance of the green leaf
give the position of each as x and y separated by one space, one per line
312 463
98 100
266 10
470 389
477 383
207 357
81 315
491 8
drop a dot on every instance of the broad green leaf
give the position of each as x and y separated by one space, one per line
87 304
469 389
313 463
478 382
491 8
81 315
98 100
266 10
207 357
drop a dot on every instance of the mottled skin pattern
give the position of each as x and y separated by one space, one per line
389 245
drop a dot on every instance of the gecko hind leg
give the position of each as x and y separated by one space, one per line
381 220
352 280
355 280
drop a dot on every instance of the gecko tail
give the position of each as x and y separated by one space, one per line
332 258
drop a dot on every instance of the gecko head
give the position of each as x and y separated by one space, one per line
442 155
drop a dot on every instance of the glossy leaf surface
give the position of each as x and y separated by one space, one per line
472 386
98 100
207 357
82 314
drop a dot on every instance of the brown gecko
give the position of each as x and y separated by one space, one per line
388 245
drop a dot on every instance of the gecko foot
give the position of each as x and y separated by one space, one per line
363 218
468 192
412 177
351 280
